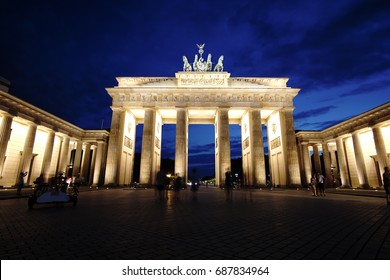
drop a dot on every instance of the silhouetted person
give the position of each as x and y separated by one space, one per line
321 184
21 182
160 183
313 184
177 186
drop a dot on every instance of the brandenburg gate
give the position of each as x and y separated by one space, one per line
203 94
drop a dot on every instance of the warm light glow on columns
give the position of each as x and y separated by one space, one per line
181 150
113 144
98 164
151 147
86 161
257 148
222 155
333 159
28 147
342 162
77 158
326 156
47 155
290 147
316 157
306 162
360 165
5 130
380 147
64 159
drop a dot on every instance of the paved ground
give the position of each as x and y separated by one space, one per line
121 224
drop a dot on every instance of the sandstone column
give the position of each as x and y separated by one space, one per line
306 162
5 132
86 161
290 147
113 155
28 148
343 162
316 157
147 150
98 164
181 149
380 147
360 165
257 148
77 158
64 159
326 156
223 146
47 155
333 159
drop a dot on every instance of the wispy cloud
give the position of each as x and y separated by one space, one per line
314 112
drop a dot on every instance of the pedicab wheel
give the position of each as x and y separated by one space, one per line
30 203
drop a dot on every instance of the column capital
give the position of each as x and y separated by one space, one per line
117 109
8 113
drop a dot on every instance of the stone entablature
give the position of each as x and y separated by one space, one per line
201 79
194 89
30 113
26 111
363 121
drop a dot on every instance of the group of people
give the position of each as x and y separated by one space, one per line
317 184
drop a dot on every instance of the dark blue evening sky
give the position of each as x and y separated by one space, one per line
61 55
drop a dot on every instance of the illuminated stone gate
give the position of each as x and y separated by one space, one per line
201 94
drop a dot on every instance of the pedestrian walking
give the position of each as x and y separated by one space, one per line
313 184
21 182
321 184
386 184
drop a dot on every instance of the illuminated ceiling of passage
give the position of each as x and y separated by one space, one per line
197 116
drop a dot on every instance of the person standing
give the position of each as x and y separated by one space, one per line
313 183
160 183
386 184
321 184
21 182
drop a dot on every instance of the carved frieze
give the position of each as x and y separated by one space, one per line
202 79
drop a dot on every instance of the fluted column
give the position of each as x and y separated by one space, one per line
223 145
64 158
257 147
86 161
48 155
326 156
380 147
306 162
333 160
316 157
77 158
5 132
360 165
290 147
28 147
113 154
147 150
98 164
343 163
181 150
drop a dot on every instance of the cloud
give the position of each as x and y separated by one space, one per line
368 88
314 112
